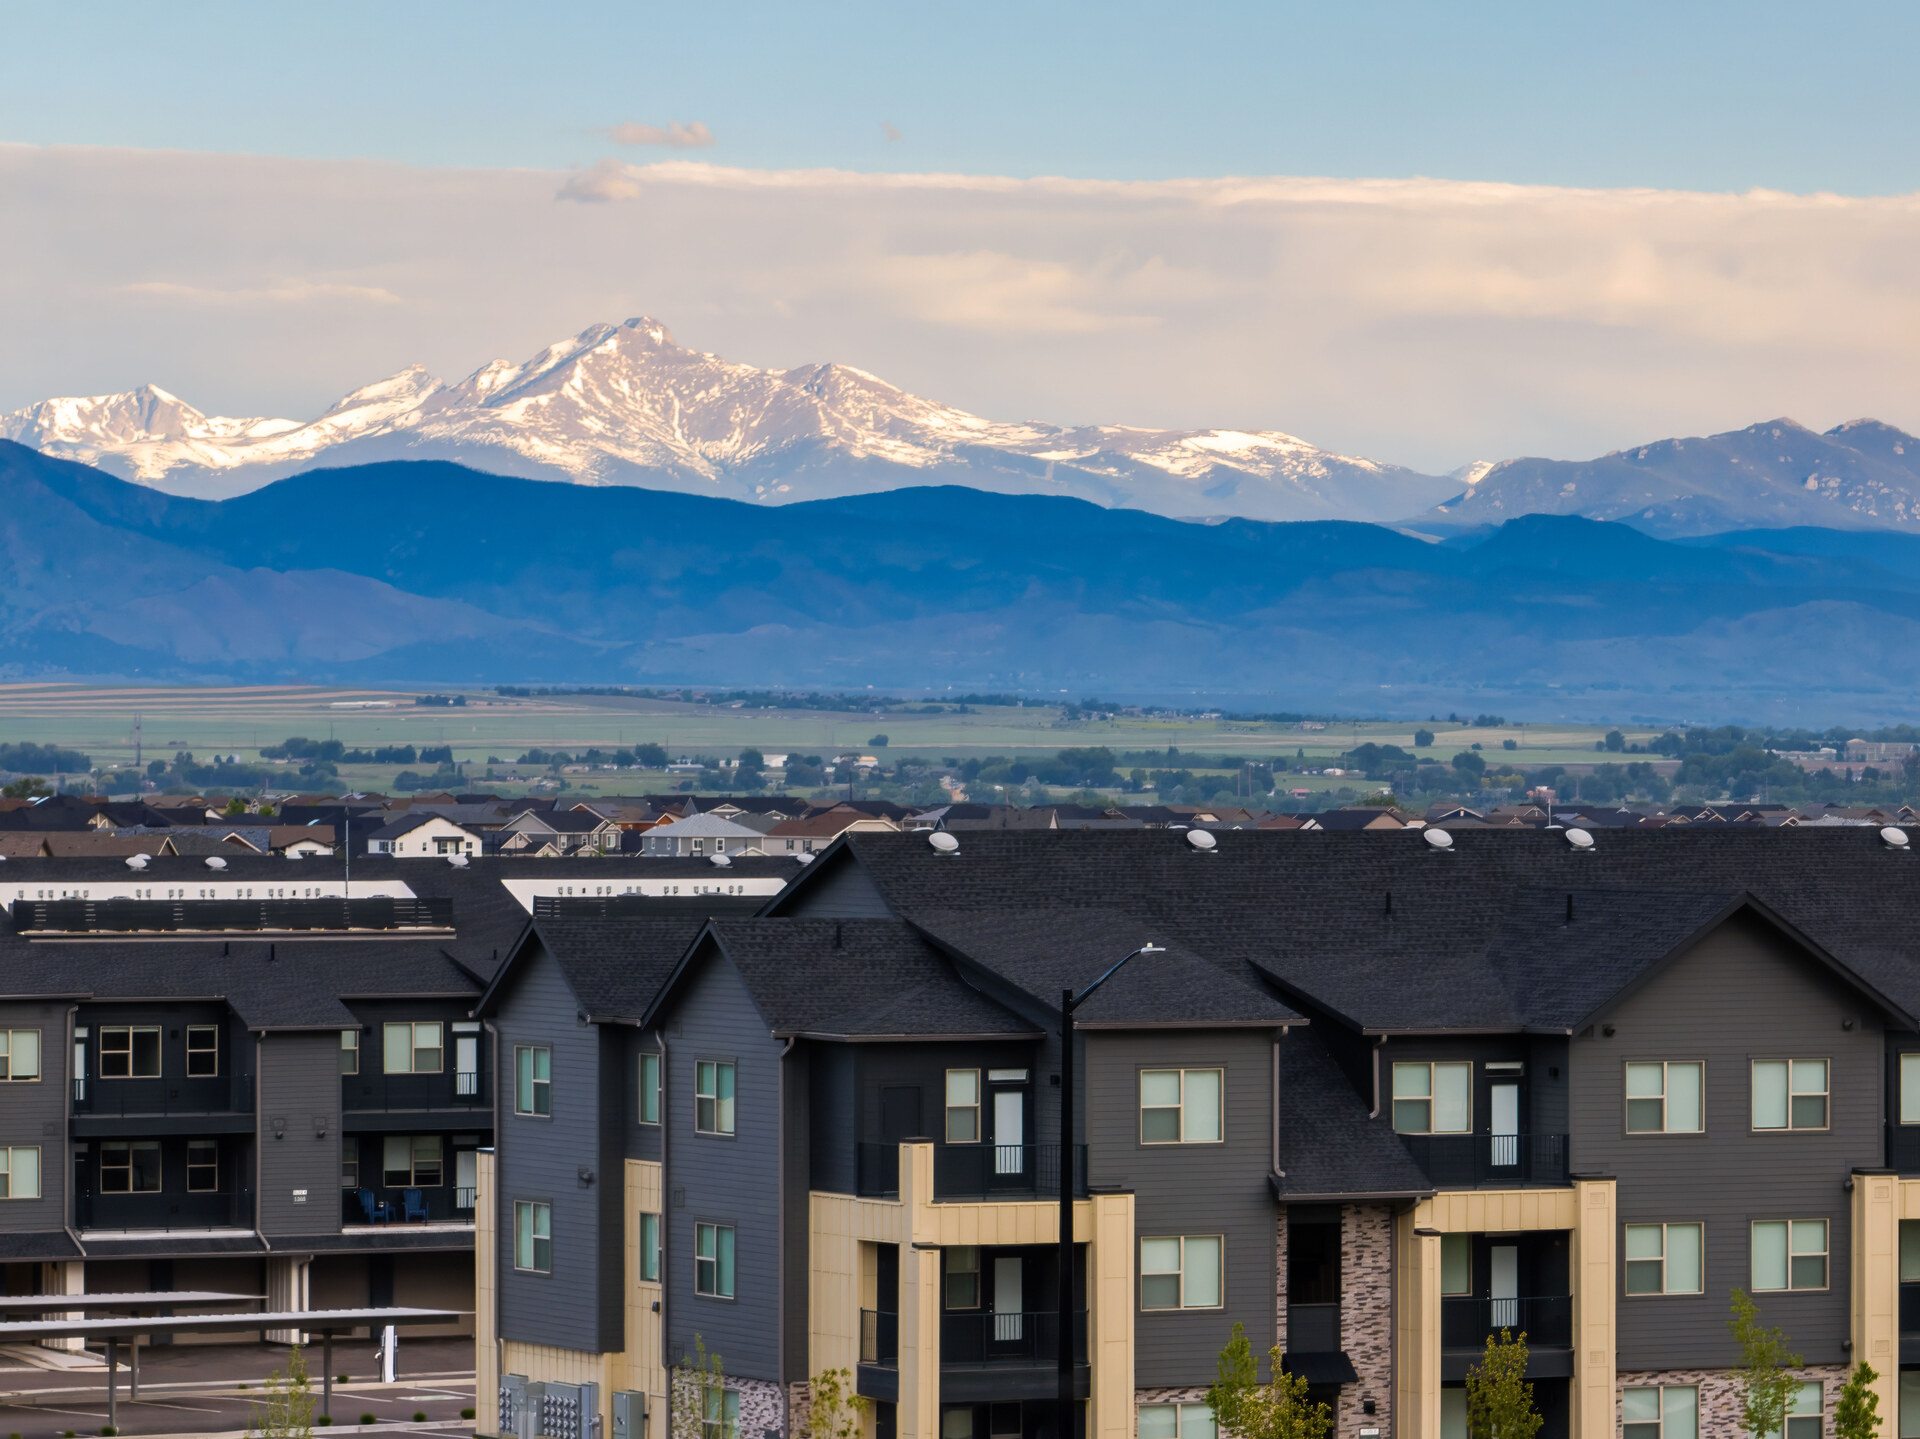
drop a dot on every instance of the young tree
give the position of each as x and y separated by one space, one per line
1857 1415
1766 1383
288 1412
698 1387
1499 1400
1278 1409
835 1411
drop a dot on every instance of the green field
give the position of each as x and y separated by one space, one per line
208 721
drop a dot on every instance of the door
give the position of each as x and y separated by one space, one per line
1504 1107
1009 1131
1007 1299
466 1065
1503 1286
466 1178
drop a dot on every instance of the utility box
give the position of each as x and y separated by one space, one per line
629 1414
569 1411
519 1407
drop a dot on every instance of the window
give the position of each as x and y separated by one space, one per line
1176 1421
1803 1413
1182 1273
411 1161
720 1407
414 1048
1909 1251
1664 1259
1790 1254
203 1051
1180 1106
713 1096
650 1248
203 1166
713 1260
649 1089
1456 1264
130 1052
19 1055
128 1167
1909 1413
1453 1412
349 1051
1664 1097
349 1164
533 1237
1433 1098
963 1276
532 1079
963 1106
1910 1088
1669 1412
19 1173
1789 1094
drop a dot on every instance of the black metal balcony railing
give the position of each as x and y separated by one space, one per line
162 1209
1466 1160
466 1084
988 1171
465 1197
375 1092
879 1337
435 1204
135 916
1313 1328
1910 1308
988 1338
877 1170
1546 1320
117 1098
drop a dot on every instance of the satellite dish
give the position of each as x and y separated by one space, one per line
215 862
720 861
1438 838
1579 839
136 861
1894 837
944 842
1201 839
458 861
804 858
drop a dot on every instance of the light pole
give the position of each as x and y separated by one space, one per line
1063 1339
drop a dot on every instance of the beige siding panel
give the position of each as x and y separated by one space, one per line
1595 1343
1877 1202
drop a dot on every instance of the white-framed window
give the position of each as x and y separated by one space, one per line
130 1166
961 1264
203 1166
1669 1411
203 1051
533 1236
713 1260
418 1047
1181 1106
1664 1259
1666 1096
1433 1098
412 1161
649 1089
719 1408
1804 1417
1910 1087
349 1051
963 1106
1790 1093
1910 1255
532 1079
20 1172
1453 1412
713 1081
1176 1421
1789 1254
349 1163
1456 1265
19 1055
1181 1272
1909 1412
649 1240
130 1051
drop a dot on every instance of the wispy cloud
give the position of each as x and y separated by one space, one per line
603 181
891 131
287 292
676 136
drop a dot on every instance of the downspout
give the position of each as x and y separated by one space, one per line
1379 1041
499 1339
780 1244
67 1215
1276 1099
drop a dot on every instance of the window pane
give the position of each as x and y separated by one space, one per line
1412 1081
542 1064
1684 1108
1770 1255
1157 1126
1202 1274
1805 1399
1910 1089
396 1161
1456 1264
1680 1412
1640 1406
1159 1256
1646 1116
1645 1081
963 1086
1158 1087
146 1168
1769 1094
1452 1098
1809 1076
1196 1422
649 1089
397 1048
23 1173
1909 1251
723 1079
1644 1276
1202 1107
726 1262
1161 1291
523 1080
1809 1111
1644 1241
1159 1421
1809 1236
1910 1404
146 1053
1683 1259
1453 1413
25 1063
523 1236
1411 1116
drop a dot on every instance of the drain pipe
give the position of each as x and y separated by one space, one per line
1379 1042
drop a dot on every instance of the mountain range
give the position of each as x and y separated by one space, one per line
428 572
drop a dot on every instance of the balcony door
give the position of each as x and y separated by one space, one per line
1503 1127
1009 1131
1009 1310
1503 1286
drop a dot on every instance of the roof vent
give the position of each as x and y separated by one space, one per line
720 861
944 842
215 862
1894 837
1579 839
1201 839
1438 838
458 861
136 861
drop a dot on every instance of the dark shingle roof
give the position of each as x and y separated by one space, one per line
1328 1145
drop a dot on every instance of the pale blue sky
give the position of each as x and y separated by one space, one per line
1717 96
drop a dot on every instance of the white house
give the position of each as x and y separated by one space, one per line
700 834
415 835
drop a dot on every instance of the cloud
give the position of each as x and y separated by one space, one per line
604 180
287 292
676 136
891 132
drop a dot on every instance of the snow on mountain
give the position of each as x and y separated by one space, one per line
625 404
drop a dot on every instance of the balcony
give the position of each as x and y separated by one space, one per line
879 1337
372 1103
444 1204
990 1338
1004 1171
1469 1161
163 1106
1546 1320
162 1210
200 916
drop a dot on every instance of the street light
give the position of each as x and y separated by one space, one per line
1063 1340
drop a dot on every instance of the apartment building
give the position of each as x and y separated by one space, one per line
1380 1096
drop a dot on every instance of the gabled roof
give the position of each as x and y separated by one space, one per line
1329 1146
704 826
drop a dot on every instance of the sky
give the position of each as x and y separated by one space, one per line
1429 233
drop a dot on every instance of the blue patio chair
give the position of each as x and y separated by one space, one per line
378 1211
416 1206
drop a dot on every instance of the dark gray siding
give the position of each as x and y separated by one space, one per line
35 1114
725 1180
300 1085
831 1132
1743 993
843 891
607 1177
640 1141
1192 1189
540 1161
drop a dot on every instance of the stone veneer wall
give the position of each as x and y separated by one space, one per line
1366 1317
762 1404
1280 1282
1720 1396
